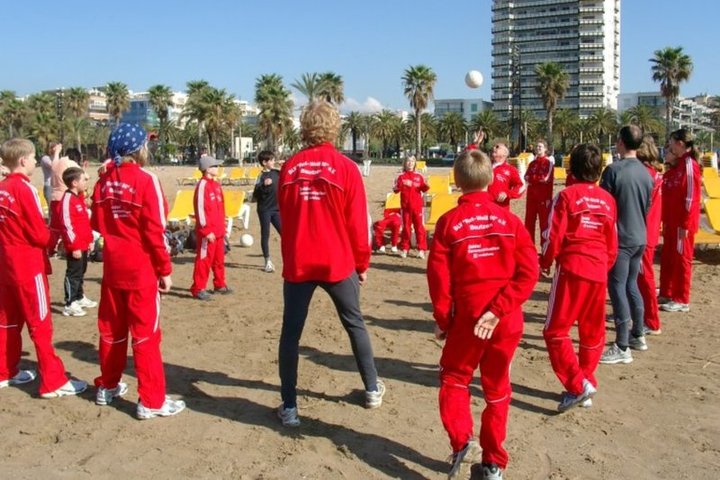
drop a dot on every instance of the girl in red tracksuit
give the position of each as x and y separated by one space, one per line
411 185
582 238
210 230
648 155
680 217
482 268
539 178
391 220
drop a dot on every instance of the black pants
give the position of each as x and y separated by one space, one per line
346 297
76 268
266 218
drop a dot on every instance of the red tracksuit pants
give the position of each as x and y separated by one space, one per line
646 285
413 218
536 209
393 223
137 312
209 256
29 304
462 355
575 299
676 264
55 225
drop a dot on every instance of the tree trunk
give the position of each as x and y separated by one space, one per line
354 140
419 137
668 116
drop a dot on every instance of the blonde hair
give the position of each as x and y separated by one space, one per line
140 157
319 123
648 153
14 149
473 170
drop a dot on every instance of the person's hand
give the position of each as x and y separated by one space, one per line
485 325
165 284
267 181
362 277
77 254
439 334
501 197
57 149
211 238
407 183
102 169
545 272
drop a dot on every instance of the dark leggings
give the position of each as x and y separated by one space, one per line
625 295
266 218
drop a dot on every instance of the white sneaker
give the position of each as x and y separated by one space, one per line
394 249
105 396
86 303
288 416
403 254
421 255
74 310
269 267
374 399
23 376
169 408
381 249
673 306
72 387
460 461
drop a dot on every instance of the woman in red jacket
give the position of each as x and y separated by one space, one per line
680 217
539 178
411 185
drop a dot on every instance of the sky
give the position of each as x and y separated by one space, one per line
50 44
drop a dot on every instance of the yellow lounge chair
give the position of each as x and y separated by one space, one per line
196 176
235 207
438 184
182 209
711 184
441 203
421 166
560 174
392 200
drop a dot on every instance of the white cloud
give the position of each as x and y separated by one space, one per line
370 105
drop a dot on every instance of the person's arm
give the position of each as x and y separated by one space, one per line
607 181
36 231
516 188
202 203
611 239
152 227
357 223
258 190
532 175
555 233
549 176
424 187
397 185
439 278
690 187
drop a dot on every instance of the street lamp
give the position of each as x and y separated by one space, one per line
516 75
60 110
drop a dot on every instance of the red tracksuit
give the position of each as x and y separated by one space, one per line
75 222
680 211
539 177
320 183
411 186
646 279
391 220
506 179
209 218
582 237
130 211
482 259
24 291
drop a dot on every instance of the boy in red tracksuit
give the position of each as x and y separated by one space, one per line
582 238
411 185
482 268
506 184
210 229
129 210
24 291
77 237
391 220
539 177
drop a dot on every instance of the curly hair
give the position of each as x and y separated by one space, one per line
319 123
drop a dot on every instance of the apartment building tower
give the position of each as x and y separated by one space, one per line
581 35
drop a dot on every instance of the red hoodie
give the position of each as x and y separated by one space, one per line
505 179
681 190
411 198
130 211
323 207
581 232
209 208
76 231
23 233
480 247
540 176
654 215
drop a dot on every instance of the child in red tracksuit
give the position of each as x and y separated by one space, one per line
582 238
539 177
506 184
681 192
411 185
210 230
391 220
77 237
24 292
482 268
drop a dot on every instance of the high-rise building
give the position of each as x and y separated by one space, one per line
581 35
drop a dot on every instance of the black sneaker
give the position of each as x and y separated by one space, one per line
203 295
223 291
461 460
490 471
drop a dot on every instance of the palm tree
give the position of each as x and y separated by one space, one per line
42 103
429 132
601 123
12 112
43 127
76 103
332 87
384 129
488 121
553 82
671 66
308 85
452 128
644 117
418 85
161 100
565 124
118 100
276 106
353 123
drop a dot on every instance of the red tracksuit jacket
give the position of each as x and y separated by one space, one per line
539 177
506 179
411 198
209 208
654 215
23 233
681 190
326 236
76 231
480 247
581 233
130 211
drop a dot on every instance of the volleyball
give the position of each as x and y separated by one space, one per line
246 240
473 79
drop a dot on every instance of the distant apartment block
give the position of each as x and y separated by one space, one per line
691 113
581 35
467 107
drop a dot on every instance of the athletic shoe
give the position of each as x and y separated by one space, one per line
86 302
675 307
663 300
23 376
463 459
615 354
569 400
490 471
72 387
374 399
269 267
105 396
381 249
638 343
649 331
394 249
74 310
421 255
587 403
288 416
203 295
169 408
403 254
223 291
